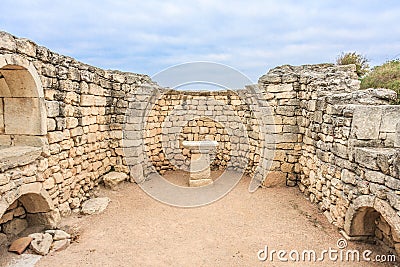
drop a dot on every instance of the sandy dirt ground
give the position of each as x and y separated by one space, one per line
136 230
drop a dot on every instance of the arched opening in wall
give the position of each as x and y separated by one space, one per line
374 220
22 109
30 212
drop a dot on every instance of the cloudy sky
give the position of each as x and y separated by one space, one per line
252 36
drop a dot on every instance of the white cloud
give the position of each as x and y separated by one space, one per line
147 36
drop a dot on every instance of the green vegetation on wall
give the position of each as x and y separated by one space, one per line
360 61
384 76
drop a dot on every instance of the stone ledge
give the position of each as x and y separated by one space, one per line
14 156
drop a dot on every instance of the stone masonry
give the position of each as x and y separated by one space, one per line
65 124
341 147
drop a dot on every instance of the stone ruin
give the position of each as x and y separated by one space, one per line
64 125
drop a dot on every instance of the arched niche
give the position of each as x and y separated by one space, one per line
22 106
360 217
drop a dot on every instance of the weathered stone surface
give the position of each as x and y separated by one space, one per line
348 177
397 139
58 234
19 245
274 179
65 210
7 41
112 179
95 205
41 244
24 116
15 156
3 239
397 248
366 122
15 226
49 219
375 177
60 245
366 157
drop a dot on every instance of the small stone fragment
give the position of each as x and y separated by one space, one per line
60 245
95 205
19 245
42 245
112 179
65 210
58 234
36 235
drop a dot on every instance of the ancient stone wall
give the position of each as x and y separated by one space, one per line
73 113
63 124
347 148
156 127
192 116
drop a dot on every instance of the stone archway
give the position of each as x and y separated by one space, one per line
22 106
37 203
360 218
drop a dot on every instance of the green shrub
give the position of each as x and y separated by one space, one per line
384 76
360 61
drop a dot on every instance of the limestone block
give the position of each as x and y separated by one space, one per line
95 205
136 173
275 179
5 140
55 137
397 138
49 183
65 210
278 88
366 157
41 243
51 125
7 41
339 149
348 177
26 46
17 156
366 122
24 116
87 100
199 166
392 183
112 179
390 118
53 108
29 140
94 89
375 177
76 131
58 234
